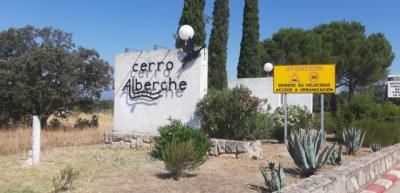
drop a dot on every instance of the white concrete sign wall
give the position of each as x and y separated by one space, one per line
263 88
151 86
394 86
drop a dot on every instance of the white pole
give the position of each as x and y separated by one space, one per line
322 114
35 140
285 106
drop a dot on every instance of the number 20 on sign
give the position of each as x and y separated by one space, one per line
308 78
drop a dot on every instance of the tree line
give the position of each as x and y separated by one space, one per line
361 59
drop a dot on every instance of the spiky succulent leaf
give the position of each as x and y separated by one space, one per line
304 147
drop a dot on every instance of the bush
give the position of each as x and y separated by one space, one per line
380 120
181 132
81 123
298 117
181 147
64 181
234 114
55 123
383 132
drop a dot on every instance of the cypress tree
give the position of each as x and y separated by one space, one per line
217 78
192 14
249 59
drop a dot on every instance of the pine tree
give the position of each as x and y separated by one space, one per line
192 14
249 59
217 78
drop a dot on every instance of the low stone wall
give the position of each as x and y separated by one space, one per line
351 177
220 147
117 140
236 149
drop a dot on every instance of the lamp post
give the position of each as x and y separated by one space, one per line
268 67
186 32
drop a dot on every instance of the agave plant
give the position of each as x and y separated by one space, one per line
375 147
336 157
353 139
276 181
305 149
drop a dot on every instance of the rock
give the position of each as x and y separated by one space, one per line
147 146
228 156
221 146
213 151
133 144
139 142
117 137
242 146
146 139
117 145
107 137
127 137
230 147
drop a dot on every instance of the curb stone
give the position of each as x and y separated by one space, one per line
384 182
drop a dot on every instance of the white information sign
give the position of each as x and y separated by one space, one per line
394 86
153 86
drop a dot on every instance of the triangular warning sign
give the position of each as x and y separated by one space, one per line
294 79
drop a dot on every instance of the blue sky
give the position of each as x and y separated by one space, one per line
113 25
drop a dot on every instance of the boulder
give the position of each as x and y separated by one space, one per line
242 146
213 151
230 147
221 146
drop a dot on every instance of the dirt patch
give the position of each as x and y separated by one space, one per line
105 170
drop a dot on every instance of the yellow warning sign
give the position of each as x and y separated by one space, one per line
307 78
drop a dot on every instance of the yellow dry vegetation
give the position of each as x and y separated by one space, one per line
19 139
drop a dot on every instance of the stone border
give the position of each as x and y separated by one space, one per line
219 148
351 177
119 140
235 149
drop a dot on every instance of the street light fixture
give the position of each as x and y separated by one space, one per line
186 32
268 67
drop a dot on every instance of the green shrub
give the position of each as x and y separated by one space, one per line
384 132
184 155
81 123
55 123
181 147
234 114
380 120
298 117
181 133
64 181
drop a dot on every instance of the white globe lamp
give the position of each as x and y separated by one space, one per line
268 67
185 32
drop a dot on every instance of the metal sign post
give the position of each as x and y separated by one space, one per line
322 114
285 106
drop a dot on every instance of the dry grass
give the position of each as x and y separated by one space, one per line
19 140
107 171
